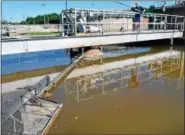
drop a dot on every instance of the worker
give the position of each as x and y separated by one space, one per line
164 7
138 16
7 31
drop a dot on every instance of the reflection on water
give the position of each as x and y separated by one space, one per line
34 60
32 64
142 95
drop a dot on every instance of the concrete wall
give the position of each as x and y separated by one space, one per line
20 29
32 28
117 27
11 47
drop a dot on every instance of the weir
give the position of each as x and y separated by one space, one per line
28 113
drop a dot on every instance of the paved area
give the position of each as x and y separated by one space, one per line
20 38
30 118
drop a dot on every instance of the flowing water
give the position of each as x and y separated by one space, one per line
130 92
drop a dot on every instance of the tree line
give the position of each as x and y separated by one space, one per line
55 18
52 18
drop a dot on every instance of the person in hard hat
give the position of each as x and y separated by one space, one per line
138 16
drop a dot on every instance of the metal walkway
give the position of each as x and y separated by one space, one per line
82 27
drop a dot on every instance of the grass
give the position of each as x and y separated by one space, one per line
42 33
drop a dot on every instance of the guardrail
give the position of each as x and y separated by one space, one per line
103 21
171 4
118 21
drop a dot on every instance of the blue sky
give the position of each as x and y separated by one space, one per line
19 10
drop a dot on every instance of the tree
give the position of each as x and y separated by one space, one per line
150 9
53 18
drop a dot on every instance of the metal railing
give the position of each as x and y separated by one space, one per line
105 21
102 21
31 30
170 4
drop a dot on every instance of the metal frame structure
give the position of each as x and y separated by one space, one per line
169 4
102 18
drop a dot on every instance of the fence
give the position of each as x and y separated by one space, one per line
32 30
77 21
170 4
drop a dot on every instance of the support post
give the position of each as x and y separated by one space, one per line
127 22
171 48
82 50
184 30
171 22
101 48
161 20
175 23
165 23
154 23
123 23
171 41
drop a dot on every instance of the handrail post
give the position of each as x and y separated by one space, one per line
165 22
140 23
171 21
175 22
123 23
183 25
127 22
154 23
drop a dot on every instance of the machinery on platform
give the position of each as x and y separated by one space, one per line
87 20
99 22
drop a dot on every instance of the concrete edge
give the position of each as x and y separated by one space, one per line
52 120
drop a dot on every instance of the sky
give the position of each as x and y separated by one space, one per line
17 11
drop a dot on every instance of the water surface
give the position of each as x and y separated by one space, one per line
119 97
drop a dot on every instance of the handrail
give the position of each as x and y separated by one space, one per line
89 23
122 11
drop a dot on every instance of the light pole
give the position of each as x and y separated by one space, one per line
11 22
66 4
43 5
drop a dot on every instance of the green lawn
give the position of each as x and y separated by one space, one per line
42 33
